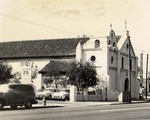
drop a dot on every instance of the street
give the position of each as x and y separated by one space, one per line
101 112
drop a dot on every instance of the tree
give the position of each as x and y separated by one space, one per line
34 72
82 75
47 80
63 82
16 77
5 73
55 72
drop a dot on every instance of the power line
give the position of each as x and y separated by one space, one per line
38 24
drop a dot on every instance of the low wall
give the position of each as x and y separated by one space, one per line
90 98
80 98
113 95
95 97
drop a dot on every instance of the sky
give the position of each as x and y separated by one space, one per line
49 19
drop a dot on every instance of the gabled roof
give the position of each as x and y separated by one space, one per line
55 66
122 42
40 48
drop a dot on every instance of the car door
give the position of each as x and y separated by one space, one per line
11 95
20 94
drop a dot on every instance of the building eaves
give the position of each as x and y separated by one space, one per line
42 48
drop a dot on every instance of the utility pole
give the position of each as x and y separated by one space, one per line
130 66
146 76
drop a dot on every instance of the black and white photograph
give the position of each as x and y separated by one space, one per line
74 60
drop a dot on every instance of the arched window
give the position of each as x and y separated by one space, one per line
112 36
114 44
122 62
126 85
130 64
112 60
97 43
109 42
127 46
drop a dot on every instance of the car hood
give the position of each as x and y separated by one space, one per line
41 93
60 93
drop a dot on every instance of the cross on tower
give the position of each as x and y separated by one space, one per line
125 24
110 26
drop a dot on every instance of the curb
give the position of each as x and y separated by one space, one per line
132 102
76 104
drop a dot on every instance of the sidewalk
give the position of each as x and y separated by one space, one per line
84 104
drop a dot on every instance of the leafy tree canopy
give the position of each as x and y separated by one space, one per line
5 73
16 77
48 80
54 72
82 75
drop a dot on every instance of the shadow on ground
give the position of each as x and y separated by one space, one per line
34 107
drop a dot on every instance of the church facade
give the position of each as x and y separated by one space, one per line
111 56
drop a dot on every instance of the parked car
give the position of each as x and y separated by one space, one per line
46 93
63 94
40 94
14 95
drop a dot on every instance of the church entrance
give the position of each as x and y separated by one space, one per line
126 84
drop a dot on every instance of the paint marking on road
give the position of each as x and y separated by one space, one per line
124 109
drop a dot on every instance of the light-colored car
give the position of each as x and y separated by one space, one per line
40 94
46 93
63 94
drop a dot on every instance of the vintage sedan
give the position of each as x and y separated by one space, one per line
46 93
63 94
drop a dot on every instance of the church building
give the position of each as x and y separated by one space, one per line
115 62
113 57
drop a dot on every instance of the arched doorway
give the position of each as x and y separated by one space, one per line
126 85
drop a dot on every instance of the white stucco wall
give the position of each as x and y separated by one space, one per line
16 67
105 66
100 53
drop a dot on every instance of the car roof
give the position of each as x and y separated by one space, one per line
16 84
65 89
51 88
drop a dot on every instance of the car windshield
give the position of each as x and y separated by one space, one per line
50 90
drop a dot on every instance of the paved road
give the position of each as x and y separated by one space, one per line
102 112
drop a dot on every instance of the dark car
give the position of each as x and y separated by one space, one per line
14 95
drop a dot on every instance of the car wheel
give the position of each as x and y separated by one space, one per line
13 107
66 98
1 105
28 104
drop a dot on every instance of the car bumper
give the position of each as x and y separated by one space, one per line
40 96
57 97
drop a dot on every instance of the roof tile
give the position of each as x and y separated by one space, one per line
40 48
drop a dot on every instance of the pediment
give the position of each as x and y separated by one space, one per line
126 46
